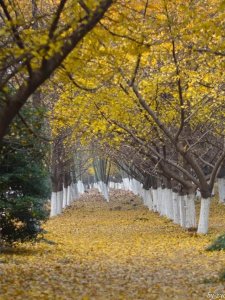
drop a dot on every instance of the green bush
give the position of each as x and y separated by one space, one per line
218 244
21 220
222 276
24 182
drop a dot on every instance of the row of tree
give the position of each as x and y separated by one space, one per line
152 94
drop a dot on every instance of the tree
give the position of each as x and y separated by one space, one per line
30 54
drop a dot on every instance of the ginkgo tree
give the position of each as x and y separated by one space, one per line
35 39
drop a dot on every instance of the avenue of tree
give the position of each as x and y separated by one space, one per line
129 87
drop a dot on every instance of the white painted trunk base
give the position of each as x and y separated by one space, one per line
126 183
139 188
53 211
75 193
176 208
59 202
149 201
64 197
68 197
163 200
112 185
203 223
144 196
132 185
135 186
105 191
80 187
169 202
154 196
221 189
160 201
190 211
182 203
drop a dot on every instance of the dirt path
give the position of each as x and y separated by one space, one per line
114 251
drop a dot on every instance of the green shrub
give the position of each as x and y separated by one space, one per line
20 220
24 183
222 276
218 244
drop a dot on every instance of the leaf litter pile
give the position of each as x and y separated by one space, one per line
116 250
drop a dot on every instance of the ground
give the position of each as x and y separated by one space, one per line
119 250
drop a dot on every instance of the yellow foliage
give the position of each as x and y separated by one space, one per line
107 58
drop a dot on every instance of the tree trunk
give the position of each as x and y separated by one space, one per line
75 193
176 208
64 196
190 211
169 202
53 211
182 211
221 189
160 201
80 187
203 223
149 199
154 196
59 199
126 183
104 190
68 197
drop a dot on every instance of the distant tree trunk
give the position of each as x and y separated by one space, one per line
102 170
190 211
176 210
221 183
57 177
182 210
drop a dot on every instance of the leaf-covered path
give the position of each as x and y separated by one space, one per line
115 251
